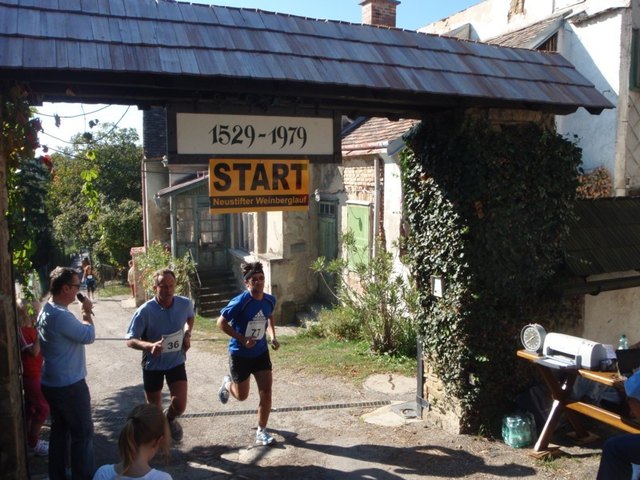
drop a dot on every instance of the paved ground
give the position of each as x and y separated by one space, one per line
324 430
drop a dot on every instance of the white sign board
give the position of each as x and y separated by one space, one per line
200 133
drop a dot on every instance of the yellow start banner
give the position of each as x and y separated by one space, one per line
258 185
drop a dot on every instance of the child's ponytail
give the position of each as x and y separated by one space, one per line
146 423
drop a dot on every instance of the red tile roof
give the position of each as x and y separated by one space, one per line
373 136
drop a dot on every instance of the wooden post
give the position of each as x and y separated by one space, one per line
13 459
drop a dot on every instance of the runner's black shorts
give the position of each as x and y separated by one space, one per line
242 367
153 380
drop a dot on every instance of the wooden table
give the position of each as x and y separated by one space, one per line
562 403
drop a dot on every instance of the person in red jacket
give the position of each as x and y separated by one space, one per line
36 406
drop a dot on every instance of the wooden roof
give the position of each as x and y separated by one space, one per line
531 36
150 52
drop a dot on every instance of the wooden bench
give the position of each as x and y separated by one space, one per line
562 403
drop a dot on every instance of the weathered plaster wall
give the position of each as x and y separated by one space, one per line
598 47
393 207
632 153
609 314
287 245
156 215
491 18
594 47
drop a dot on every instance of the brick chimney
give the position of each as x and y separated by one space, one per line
379 12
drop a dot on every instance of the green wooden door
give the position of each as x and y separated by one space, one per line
358 223
327 245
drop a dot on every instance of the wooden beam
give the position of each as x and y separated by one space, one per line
605 416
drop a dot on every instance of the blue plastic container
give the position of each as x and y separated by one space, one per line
518 430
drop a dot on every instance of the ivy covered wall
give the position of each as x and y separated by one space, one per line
488 207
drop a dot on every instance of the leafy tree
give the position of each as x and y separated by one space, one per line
120 230
96 193
66 206
156 258
29 226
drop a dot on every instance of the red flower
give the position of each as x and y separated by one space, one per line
46 161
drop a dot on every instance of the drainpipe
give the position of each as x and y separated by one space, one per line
376 203
143 175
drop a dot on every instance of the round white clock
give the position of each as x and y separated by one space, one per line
532 337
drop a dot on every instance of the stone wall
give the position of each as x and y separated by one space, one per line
445 411
359 179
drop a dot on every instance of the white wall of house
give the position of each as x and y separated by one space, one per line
393 208
596 39
594 48
287 244
156 212
492 17
610 314
598 47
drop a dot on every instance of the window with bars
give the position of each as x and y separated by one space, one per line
327 208
244 231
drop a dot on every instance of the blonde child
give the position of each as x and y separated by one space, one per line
145 432
35 405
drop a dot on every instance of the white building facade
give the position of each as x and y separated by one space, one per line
596 37
600 38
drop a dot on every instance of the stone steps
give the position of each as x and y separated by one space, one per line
216 289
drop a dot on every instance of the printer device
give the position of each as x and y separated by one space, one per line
566 351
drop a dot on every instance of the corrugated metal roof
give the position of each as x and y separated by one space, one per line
605 238
148 49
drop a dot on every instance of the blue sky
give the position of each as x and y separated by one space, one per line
411 15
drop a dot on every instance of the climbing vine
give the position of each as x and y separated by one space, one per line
19 139
27 179
488 208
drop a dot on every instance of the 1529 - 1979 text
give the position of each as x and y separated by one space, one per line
281 135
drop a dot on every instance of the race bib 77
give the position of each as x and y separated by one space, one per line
255 329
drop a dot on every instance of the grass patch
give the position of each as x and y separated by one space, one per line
113 290
350 360
346 359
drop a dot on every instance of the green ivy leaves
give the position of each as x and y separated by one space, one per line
488 207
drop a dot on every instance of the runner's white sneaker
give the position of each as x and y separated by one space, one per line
263 437
41 449
223 393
